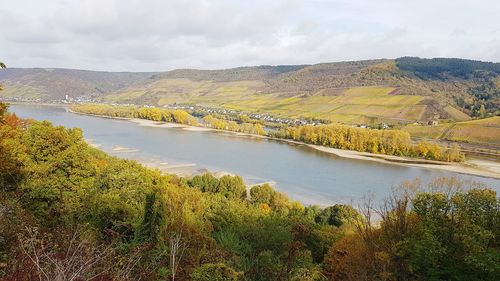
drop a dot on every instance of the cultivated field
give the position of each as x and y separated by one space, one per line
356 105
482 131
353 105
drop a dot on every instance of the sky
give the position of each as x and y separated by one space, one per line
158 35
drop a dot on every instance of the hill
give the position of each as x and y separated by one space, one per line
53 84
361 92
403 90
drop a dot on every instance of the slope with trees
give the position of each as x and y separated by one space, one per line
115 219
70 212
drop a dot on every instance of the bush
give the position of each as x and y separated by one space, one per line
215 272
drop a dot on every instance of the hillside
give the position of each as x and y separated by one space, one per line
482 131
54 84
69 211
361 92
404 90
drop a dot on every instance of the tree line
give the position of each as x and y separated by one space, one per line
440 68
244 127
148 113
390 142
71 212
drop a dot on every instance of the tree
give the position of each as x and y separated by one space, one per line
482 111
11 150
261 193
3 110
337 215
232 187
58 166
2 65
153 221
69 256
177 249
205 183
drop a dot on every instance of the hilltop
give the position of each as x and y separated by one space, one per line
403 90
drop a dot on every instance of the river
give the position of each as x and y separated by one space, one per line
303 173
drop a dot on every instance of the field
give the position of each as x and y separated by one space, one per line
357 105
353 105
169 91
482 131
16 90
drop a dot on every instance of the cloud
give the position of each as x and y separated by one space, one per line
156 35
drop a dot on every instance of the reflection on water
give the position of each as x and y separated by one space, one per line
305 174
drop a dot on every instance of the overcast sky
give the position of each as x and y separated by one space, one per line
155 35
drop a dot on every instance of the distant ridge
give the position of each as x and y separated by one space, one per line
405 89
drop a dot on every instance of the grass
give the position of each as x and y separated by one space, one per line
11 90
456 114
352 106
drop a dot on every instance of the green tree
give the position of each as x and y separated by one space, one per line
58 167
205 183
262 193
153 220
2 65
115 203
232 187
337 215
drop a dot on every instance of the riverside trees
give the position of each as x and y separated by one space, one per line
390 142
148 113
250 128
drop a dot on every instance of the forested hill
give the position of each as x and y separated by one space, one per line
442 68
405 89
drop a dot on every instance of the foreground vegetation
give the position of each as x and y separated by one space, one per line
71 212
390 142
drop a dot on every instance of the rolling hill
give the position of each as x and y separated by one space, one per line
53 84
403 90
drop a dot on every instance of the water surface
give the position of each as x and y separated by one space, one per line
305 174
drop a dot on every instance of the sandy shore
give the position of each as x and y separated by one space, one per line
118 148
482 168
150 123
191 170
474 167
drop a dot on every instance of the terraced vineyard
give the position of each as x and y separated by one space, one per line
352 105
482 131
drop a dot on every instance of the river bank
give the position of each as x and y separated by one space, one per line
482 168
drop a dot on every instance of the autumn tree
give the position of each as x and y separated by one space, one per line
2 65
